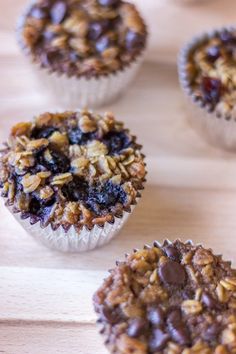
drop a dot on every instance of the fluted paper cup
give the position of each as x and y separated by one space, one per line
72 240
218 130
80 91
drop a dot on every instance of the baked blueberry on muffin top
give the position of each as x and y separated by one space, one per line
170 298
72 168
210 64
89 37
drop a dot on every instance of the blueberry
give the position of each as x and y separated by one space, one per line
116 142
97 28
105 196
59 162
134 41
211 89
109 2
103 43
34 206
41 209
76 190
45 132
76 136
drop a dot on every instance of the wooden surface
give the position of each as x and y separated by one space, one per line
45 297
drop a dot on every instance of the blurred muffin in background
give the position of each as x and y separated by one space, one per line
85 52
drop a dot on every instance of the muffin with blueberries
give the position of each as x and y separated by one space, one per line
170 298
207 70
71 179
86 52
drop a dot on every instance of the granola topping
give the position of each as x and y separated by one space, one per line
90 37
68 169
211 73
144 309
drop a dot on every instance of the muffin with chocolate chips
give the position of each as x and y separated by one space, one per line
207 71
72 179
173 298
86 52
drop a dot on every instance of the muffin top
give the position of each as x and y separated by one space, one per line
83 38
72 168
174 298
211 72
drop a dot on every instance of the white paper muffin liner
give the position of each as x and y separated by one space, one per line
74 92
73 241
81 92
218 130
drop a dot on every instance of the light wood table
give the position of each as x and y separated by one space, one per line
45 297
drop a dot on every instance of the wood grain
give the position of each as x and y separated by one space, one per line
45 297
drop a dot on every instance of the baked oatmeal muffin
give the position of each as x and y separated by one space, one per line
207 70
87 51
72 179
173 298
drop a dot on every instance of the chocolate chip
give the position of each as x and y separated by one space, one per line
49 35
96 29
74 57
156 316
112 316
109 2
212 332
188 294
134 41
50 57
172 273
158 340
227 37
181 335
213 53
38 13
176 327
174 318
209 301
103 43
173 253
58 12
137 327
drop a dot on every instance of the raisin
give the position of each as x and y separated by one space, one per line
211 90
